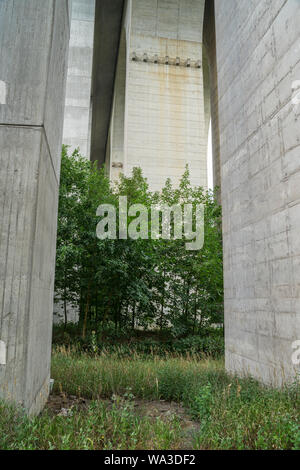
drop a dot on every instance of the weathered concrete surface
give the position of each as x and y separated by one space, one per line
138 114
77 122
115 150
34 38
258 44
158 107
59 314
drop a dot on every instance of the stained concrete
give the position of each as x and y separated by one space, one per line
258 44
138 113
34 38
158 117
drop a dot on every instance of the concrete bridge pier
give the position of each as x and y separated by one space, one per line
257 45
34 37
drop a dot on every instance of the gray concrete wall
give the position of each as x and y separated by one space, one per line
164 123
258 44
77 122
115 159
34 38
59 313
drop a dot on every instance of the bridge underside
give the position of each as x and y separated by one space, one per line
255 116
34 38
108 24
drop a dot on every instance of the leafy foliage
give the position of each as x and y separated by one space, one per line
209 343
149 284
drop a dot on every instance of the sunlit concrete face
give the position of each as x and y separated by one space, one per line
161 90
258 45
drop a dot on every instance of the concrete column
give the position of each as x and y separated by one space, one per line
116 147
34 39
163 124
258 46
77 121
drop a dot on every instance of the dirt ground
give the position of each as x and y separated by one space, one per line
64 405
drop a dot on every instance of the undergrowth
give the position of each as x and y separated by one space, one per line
233 413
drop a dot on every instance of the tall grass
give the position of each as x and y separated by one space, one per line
233 413
149 378
97 428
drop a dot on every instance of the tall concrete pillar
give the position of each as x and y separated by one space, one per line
158 119
34 39
258 46
77 121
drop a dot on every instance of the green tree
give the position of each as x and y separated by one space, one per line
126 283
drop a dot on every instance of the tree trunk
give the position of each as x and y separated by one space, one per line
126 315
86 313
162 303
162 311
65 311
65 300
133 317
195 317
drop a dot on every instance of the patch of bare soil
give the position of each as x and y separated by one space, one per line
63 405
166 411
